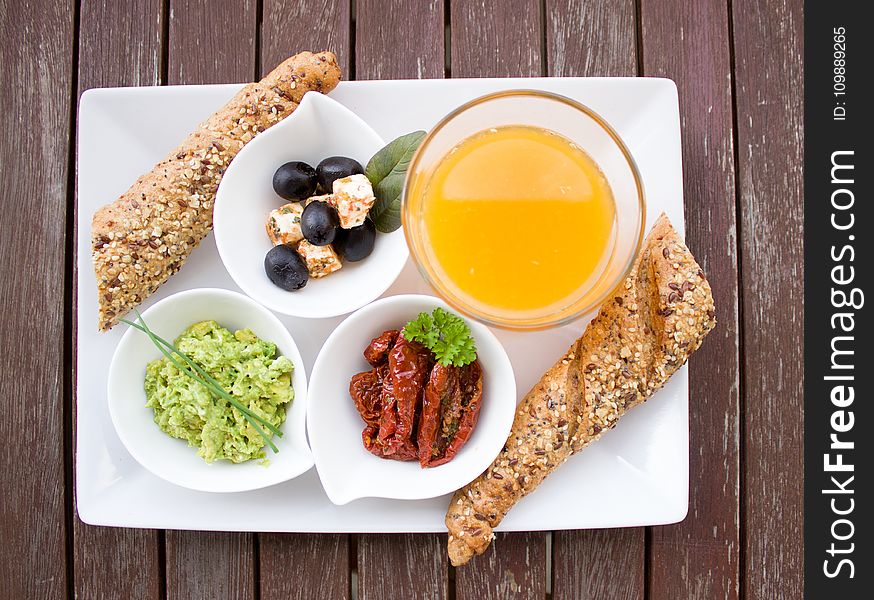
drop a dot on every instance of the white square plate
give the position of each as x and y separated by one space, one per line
638 474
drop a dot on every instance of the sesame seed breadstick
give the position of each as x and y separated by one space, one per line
640 337
144 237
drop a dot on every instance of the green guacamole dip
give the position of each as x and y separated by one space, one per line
246 367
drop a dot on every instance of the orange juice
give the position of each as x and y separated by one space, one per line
519 218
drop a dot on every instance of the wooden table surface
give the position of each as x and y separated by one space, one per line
737 64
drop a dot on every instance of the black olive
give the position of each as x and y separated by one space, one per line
319 223
285 268
356 243
295 181
336 167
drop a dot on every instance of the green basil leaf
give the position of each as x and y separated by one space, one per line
394 157
386 211
386 172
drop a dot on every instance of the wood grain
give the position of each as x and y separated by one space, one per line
512 567
115 562
591 38
211 41
210 565
409 566
595 39
414 32
688 42
36 84
496 38
119 44
770 114
598 564
290 26
304 566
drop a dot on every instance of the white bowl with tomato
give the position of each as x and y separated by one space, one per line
402 444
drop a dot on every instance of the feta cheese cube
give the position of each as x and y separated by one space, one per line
283 224
329 198
353 198
320 260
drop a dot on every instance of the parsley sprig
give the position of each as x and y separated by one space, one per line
445 334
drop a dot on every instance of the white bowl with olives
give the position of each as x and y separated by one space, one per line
294 215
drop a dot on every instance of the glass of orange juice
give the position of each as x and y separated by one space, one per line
523 209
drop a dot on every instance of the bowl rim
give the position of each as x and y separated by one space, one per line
506 370
300 369
441 289
224 241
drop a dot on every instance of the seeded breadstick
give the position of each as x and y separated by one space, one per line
144 237
639 338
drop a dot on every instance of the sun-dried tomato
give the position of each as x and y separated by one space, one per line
377 351
409 364
368 437
450 408
366 390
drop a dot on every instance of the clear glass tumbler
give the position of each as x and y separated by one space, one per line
576 122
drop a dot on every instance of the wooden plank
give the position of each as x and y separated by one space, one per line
414 32
688 42
586 38
36 84
598 564
499 38
398 39
119 44
512 567
769 99
594 39
289 26
496 38
201 564
304 566
210 565
405 565
202 50
114 562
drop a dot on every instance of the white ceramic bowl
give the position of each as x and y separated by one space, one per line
347 470
172 459
319 128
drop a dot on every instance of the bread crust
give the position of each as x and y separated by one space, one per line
145 236
640 337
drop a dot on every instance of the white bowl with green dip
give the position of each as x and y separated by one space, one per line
206 419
